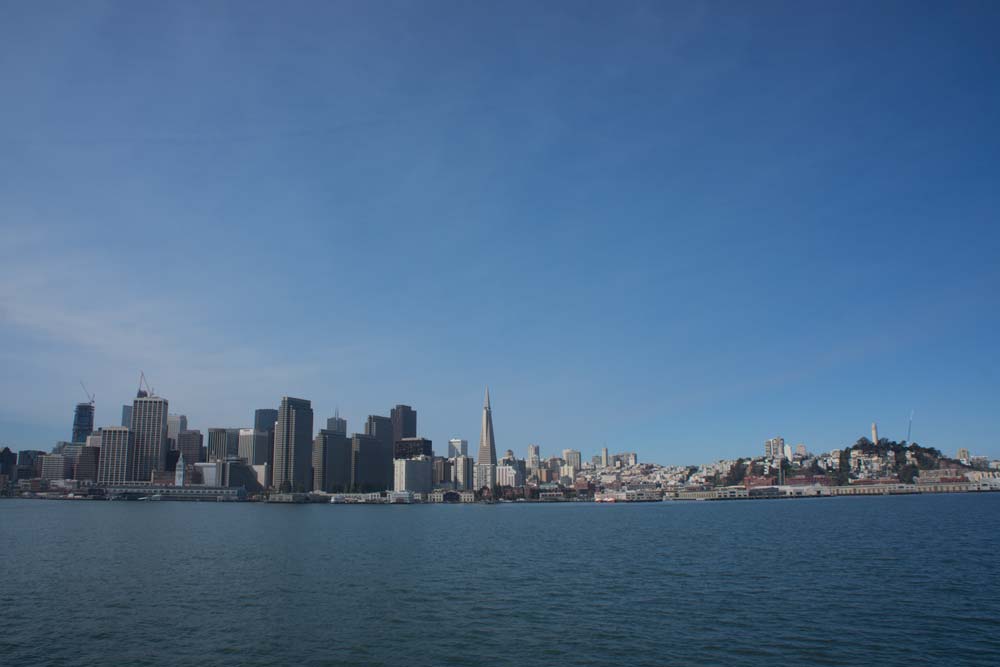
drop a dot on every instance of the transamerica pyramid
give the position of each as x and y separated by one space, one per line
487 446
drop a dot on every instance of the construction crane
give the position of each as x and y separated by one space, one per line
143 381
90 396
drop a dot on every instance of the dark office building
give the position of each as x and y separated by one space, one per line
264 418
189 444
29 463
83 422
293 445
410 448
8 463
404 422
337 424
86 464
371 464
127 416
331 462
172 456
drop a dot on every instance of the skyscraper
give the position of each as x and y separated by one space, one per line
487 445
404 422
149 435
408 448
486 460
534 457
264 418
232 442
414 475
83 421
604 457
378 469
176 424
774 448
114 465
371 463
217 442
189 444
458 447
127 416
573 458
254 446
331 462
293 445
86 464
337 424
464 473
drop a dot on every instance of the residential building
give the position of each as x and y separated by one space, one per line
463 472
534 457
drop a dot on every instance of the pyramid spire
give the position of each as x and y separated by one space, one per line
487 445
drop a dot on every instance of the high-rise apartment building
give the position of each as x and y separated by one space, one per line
463 472
83 422
774 448
534 457
458 447
404 422
115 463
149 436
293 445
573 458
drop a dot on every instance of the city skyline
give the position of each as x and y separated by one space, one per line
687 226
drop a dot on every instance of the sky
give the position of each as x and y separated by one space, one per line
674 228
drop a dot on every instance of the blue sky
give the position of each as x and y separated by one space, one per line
675 228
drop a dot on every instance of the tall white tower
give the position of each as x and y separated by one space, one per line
874 433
